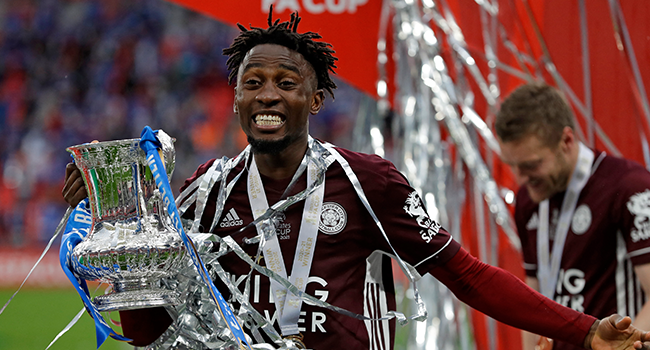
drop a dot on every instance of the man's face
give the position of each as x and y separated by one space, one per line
275 94
543 170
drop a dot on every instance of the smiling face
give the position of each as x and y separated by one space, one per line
542 169
275 94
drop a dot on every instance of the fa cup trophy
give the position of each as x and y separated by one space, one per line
132 243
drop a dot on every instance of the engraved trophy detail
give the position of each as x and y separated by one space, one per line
132 243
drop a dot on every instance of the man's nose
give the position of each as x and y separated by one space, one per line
268 94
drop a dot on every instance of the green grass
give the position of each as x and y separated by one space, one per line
35 316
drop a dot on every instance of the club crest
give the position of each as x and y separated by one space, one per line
581 219
333 218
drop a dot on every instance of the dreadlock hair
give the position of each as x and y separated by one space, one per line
317 53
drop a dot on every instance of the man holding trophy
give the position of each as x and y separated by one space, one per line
299 232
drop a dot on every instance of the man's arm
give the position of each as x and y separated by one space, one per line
144 326
530 340
506 298
642 319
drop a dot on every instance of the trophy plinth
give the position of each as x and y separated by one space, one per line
132 243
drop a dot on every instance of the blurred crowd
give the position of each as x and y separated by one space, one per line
73 71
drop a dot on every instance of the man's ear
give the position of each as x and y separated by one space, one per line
234 102
317 101
568 138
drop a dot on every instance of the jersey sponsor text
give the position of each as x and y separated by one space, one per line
639 206
415 208
569 288
309 321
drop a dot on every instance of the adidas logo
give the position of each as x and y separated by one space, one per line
231 219
533 223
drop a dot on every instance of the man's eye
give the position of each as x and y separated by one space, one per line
530 166
252 82
286 83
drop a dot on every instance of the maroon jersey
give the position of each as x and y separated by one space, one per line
351 268
608 234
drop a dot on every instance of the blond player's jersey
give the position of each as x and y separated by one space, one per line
608 234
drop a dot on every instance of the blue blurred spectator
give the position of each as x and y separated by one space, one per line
72 71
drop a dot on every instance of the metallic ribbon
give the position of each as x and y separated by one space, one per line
429 104
196 324
435 119
150 144
624 43
59 229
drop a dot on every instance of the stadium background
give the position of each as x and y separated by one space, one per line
76 70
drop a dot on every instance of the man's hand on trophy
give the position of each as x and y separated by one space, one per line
74 190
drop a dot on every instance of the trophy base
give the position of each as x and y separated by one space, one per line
136 299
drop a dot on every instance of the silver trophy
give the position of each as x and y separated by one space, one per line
132 243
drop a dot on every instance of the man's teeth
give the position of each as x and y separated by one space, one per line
268 120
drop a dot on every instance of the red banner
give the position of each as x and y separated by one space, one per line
608 81
351 26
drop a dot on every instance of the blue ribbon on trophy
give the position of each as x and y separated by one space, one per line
150 144
78 227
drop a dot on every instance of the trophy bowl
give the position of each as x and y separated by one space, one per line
132 243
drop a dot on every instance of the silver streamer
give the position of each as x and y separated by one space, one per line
428 104
624 44
432 120
427 101
584 47
196 324
423 90
59 229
